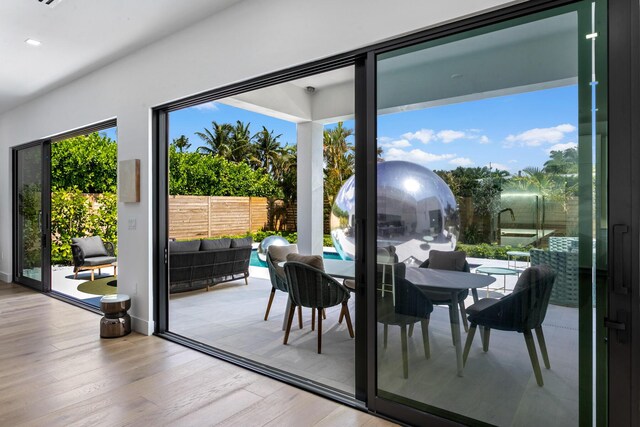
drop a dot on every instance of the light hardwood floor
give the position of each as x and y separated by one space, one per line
56 371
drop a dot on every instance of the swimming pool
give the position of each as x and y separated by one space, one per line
255 261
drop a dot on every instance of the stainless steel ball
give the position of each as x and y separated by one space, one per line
416 212
271 240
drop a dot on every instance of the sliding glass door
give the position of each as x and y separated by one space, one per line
487 237
31 215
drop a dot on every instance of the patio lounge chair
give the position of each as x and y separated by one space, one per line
91 253
521 311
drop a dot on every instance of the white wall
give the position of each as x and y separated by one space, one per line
247 40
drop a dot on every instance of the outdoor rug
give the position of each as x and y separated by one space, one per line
99 286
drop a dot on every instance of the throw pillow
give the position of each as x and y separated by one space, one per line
91 246
453 260
279 254
208 245
314 261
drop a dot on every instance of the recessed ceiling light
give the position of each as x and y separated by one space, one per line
32 42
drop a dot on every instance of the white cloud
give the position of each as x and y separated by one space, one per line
212 106
400 143
513 161
498 166
423 135
561 147
415 156
461 161
539 136
447 136
484 139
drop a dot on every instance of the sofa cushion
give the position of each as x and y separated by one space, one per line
451 260
241 243
190 246
99 260
314 261
91 246
208 245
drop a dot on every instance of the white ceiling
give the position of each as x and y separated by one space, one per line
79 36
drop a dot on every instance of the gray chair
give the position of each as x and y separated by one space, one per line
410 306
91 253
312 287
453 261
275 255
522 311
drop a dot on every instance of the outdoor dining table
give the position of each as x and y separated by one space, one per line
454 282
427 279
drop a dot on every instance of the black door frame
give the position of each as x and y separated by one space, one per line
44 284
620 389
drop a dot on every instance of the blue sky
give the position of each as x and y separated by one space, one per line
508 132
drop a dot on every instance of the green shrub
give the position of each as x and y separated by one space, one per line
486 250
74 214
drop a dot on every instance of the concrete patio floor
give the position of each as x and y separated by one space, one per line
230 317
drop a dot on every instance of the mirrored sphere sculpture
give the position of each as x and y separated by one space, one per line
271 240
417 212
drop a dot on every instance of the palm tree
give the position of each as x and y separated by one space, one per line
181 143
217 139
339 159
240 142
267 149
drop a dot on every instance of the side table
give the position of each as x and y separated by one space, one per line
497 271
116 322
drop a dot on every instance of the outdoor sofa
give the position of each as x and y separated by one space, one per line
198 264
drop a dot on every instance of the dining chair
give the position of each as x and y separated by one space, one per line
411 306
276 254
452 261
522 311
309 286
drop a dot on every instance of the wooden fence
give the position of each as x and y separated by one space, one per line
197 217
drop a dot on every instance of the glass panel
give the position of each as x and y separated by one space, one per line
29 191
265 168
483 192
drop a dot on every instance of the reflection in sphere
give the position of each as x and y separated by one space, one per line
417 212
271 240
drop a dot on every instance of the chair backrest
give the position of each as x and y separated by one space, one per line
91 246
447 260
311 287
531 295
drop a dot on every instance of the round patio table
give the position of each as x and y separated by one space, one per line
498 271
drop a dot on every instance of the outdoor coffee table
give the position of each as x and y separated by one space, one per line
498 271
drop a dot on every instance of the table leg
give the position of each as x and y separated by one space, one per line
286 314
474 292
455 329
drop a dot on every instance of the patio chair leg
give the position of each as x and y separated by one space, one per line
75 275
341 315
485 340
424 325
347 317
463 314
467 344
543 347
324 314
405 352
292 312
246 280
271 295
319 331
411 330
300 316
92 270
313 319
386 335
533 355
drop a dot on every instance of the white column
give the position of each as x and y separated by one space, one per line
310 188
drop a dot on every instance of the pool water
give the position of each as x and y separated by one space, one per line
255 261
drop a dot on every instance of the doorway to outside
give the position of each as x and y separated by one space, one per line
65 192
